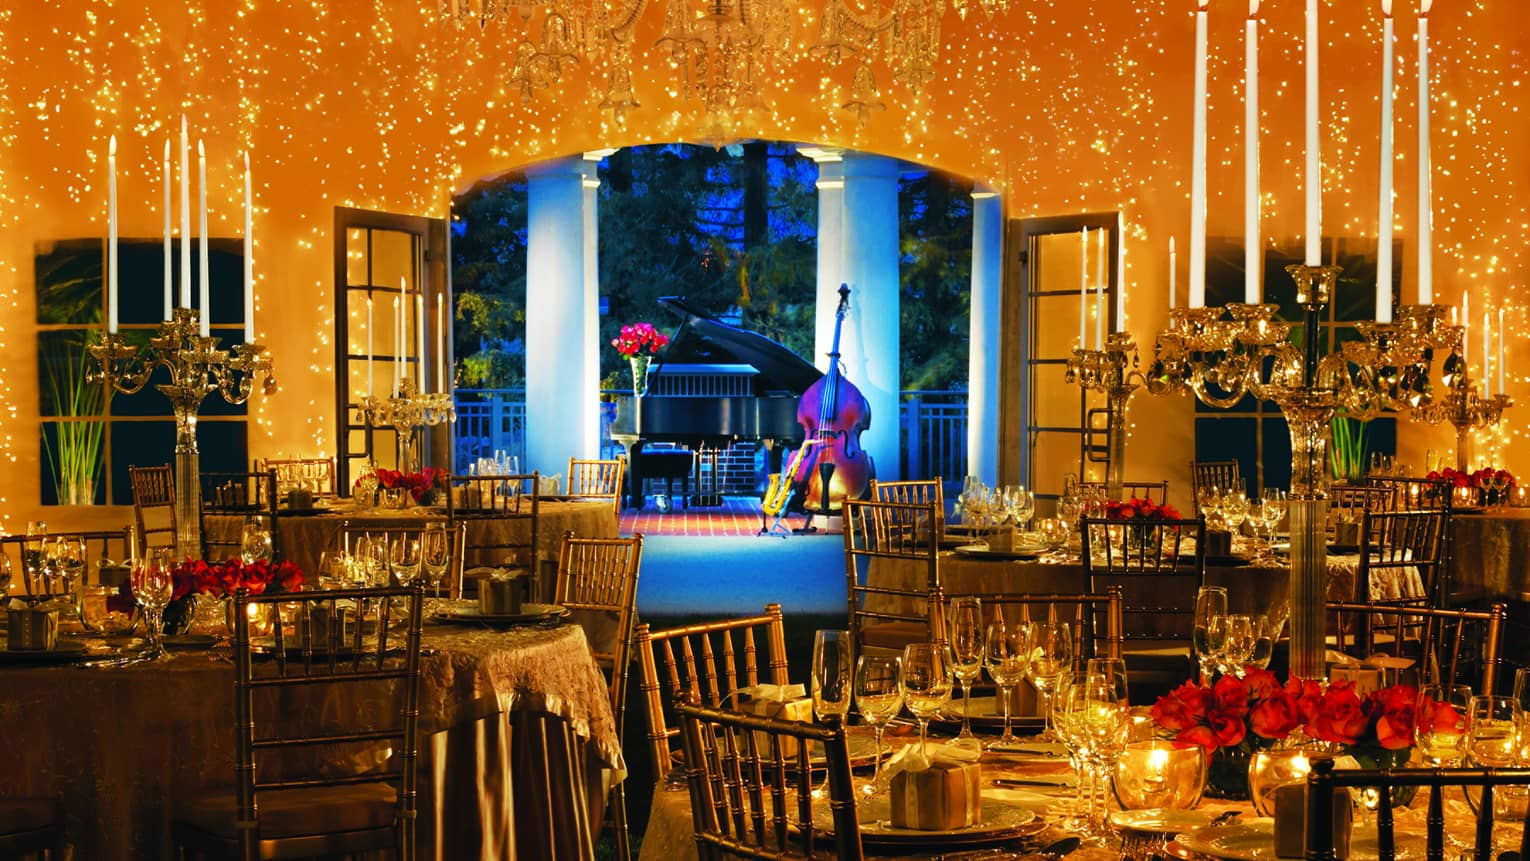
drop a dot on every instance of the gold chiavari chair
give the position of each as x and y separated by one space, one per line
597 582
308 806
1094 619
500 516
1396 547
1351 500
911 492
597 479
742 787
353 533
247 494
154 505
1448 646
1158 572
883 542
1324 779
714 659
102 548
1215 473
1152 491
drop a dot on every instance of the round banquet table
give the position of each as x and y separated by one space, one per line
1492 552
303 537
518 745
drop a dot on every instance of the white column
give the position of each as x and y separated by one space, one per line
831 219
562 356
869 264
983 340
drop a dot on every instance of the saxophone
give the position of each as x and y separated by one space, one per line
780 488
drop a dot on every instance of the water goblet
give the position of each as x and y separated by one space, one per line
255 541
1492 731
1238 637
1007 655
926 684
153 585
878 697
1051 653
966 627
435 558
404 559
1441 723
832 680
1210 604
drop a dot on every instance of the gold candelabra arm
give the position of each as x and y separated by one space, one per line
121 365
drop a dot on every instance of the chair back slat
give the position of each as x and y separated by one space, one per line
1152 491
248 494
1215 473
154 504
597 479
102 547
900 538
1094 619
313 474
742 783
500 516
670 668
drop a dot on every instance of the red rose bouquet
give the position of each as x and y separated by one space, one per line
639 338
419 484
1140 509
215 580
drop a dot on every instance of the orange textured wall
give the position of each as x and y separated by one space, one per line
1063 106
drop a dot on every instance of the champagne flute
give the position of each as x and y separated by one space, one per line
1264 641
32 553
435 557
832 681
153 586
1210 604
926 684
1051 653
1007 655
966 623
1095 721
1238 639
878 697
1441 723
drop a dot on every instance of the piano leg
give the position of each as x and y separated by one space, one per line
635 498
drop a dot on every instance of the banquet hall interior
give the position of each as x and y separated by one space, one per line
808 428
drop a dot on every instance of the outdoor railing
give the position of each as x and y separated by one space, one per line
932 427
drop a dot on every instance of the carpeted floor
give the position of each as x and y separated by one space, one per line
738 516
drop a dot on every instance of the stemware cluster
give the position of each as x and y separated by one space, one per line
983 506
1230 643
1092 718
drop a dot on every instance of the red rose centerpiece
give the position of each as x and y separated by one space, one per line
209 584
1232 718
637 343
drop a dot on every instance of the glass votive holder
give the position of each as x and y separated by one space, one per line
1268 770
103 616
1159 774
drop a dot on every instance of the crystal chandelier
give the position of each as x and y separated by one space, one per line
723 51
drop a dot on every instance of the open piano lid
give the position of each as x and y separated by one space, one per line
700 338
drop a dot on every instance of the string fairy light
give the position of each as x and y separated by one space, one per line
1061 107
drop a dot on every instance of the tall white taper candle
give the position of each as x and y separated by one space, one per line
1173 274
1487 354
1083 287
1503 335
1198 167
442 384
419 356
1253 251
1466 331
1425 192
1100 311
111 236
185 217
203 288
370 390
1314 172
398 338
169 262
249 257
1384 201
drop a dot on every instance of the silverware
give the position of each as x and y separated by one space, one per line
1053 851
1224 818
1048 784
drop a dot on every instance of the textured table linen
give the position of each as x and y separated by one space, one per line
303 538
518 743
1492 552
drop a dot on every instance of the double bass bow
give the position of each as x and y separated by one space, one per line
832 466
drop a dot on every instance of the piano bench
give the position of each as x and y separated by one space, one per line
668 464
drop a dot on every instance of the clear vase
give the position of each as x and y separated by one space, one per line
639 373
209 616
1227 774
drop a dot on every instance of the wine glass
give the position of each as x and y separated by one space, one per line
833 682
1007 655
1491 731
374 559
1112 671
1093 721
1275 506
1210 604
1054 533
1051 653
878 697
32 552
404 559
1522 689
1265 636
926 684
1441 723
435 558
966 624
153 586
70 555
1238 636
254 541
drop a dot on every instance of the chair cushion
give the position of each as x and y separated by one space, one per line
299 812
894 634
26 814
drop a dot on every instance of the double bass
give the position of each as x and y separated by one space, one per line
831 466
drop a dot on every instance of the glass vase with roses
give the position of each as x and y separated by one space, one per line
1233 718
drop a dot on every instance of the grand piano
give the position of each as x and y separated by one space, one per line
712 385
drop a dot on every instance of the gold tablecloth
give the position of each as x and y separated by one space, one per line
518 744
303 538
1492 552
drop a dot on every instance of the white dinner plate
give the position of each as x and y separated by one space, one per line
1254 840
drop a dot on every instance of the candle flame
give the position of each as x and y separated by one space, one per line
1159 757
246 161
1386 8
167 148
200 152
1253 8
1202 4
1423 6
111 147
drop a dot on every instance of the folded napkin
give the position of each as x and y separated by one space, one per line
913 758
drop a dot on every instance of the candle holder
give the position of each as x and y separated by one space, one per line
197 368
408 411
1114 372
1158 774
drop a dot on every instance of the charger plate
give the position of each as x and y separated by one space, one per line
1254 840
530 614
1003 821
983 551
63 652
1160 820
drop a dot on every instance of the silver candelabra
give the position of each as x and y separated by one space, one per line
408 411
